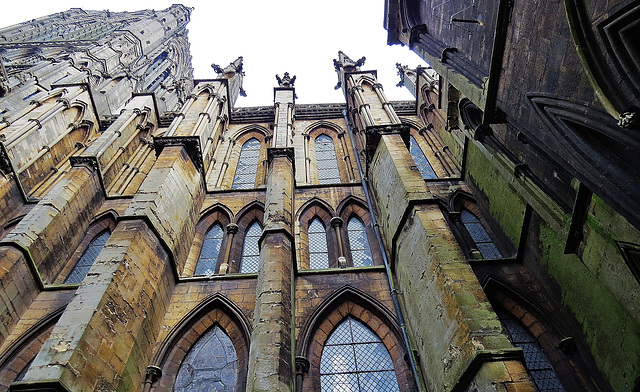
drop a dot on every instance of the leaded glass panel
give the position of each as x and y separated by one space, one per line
247 165
210 251
360 251
326 160
542 374
80 270
210 366
250 261
483 241
355 359
424 167
318 252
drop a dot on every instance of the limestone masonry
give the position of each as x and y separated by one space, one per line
482 237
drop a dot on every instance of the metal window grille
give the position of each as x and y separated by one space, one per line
355 359
250 261
318 252
80 270
210 365
424 167
210 251
247 168
538 366
360 251
327 161
485 245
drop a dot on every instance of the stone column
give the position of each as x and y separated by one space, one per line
271 364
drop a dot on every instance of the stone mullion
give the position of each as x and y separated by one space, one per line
232 230
336 223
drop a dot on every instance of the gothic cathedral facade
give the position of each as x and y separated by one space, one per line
154 237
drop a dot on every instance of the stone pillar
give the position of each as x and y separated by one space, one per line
271 364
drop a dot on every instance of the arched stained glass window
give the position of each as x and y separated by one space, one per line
210 365
250 261
538 366
79 271
247 165
210 251
355 359
318 252
328 172
420 159
360 251
485 245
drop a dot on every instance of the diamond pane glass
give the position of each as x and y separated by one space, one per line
355 359
250 252
80 270
247 165
424 167
483 241
210 251
326 160
318 253
210 365
538 366
360 251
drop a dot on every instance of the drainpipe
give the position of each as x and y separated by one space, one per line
392 289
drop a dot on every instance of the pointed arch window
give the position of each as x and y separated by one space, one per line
355 359
80 270
250 261
359 243
479 234
247 168
210 365
318 252
210 250
538 366
327 161
421 160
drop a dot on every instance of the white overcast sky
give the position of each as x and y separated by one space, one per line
299 37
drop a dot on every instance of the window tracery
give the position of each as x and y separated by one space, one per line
355 359
210 365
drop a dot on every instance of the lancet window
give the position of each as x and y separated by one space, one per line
80 270
538 366
479 234
210 251
421 160
210 365
250 261
318 251
359 243
328 172
245 177
355 359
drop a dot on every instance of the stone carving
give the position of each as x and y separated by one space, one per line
286 80
630 118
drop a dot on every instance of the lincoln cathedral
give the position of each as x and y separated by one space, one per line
483 236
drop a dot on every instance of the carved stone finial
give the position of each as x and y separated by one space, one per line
630 118
286 80
230 70
345 62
